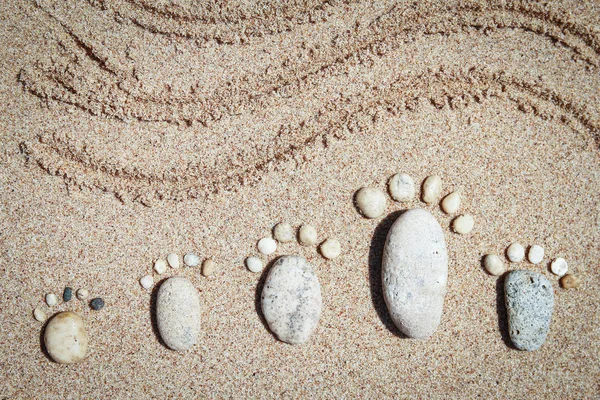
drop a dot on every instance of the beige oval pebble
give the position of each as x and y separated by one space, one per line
160 266
173 260
147 281
208 267
51 299
283 232
267 246
432 188
65 338
493 264
254 264
463 224
331 248
82 294
515 252
401 187
535 254
451 203
371 202
559 266
39 315
307 235
570 281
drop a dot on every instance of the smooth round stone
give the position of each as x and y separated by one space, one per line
331 248
67 294
536 254
39 315
178 313
291 299
432 189
415 273
283 232
97 304
173 260
191 260
307 235
267 246
147 281
51 299
570 281
529 301
208 267
65 338
160 266
401 187
82 294
451 203
493 264
515 252
254 264
371 202
559 266
463 224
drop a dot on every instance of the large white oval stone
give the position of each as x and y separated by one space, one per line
178 313
291 299
65 338
415 273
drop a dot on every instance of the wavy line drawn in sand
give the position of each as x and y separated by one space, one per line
114 93
337 121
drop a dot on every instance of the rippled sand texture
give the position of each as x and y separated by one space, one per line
227 117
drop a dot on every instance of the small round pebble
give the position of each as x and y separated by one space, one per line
147 282
82 294
463 224
39 315
160 266
267 246
515 252
208 267
283 232
173 260
493 264
51 299
307 235
570 281
559 266
432 188
371 202
97 303
451 203
331 248
535 254
254 264
191 260
67 294
401 187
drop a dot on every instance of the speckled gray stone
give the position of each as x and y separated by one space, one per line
415 272
529 303
178 313
291 299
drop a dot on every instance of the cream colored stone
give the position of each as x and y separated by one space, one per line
65 338
307 235
267 246
559 266
82 294
432 188
283 232
401 187
371 202
451 203
191 260
331 248
39 315
493 264
515 252
463 224
535 254
160 266
51 299
208 267
173 260
147 281
254 264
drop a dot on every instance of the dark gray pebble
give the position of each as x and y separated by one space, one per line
67 294
97 303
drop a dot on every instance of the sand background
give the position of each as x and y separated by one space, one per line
129 133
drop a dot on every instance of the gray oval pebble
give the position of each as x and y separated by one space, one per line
178 313
415 273
291 299
529 301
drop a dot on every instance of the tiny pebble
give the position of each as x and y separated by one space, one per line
97 303
331 248
493 264
208 267
51 299
267 246
515 252
536 254
401 187
463 224
173 260
432 188
559 266
451 203
191 260
67 294
160 266
82 294
254 264
371 202
147 281
307 235
39 315
570 281
283 232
